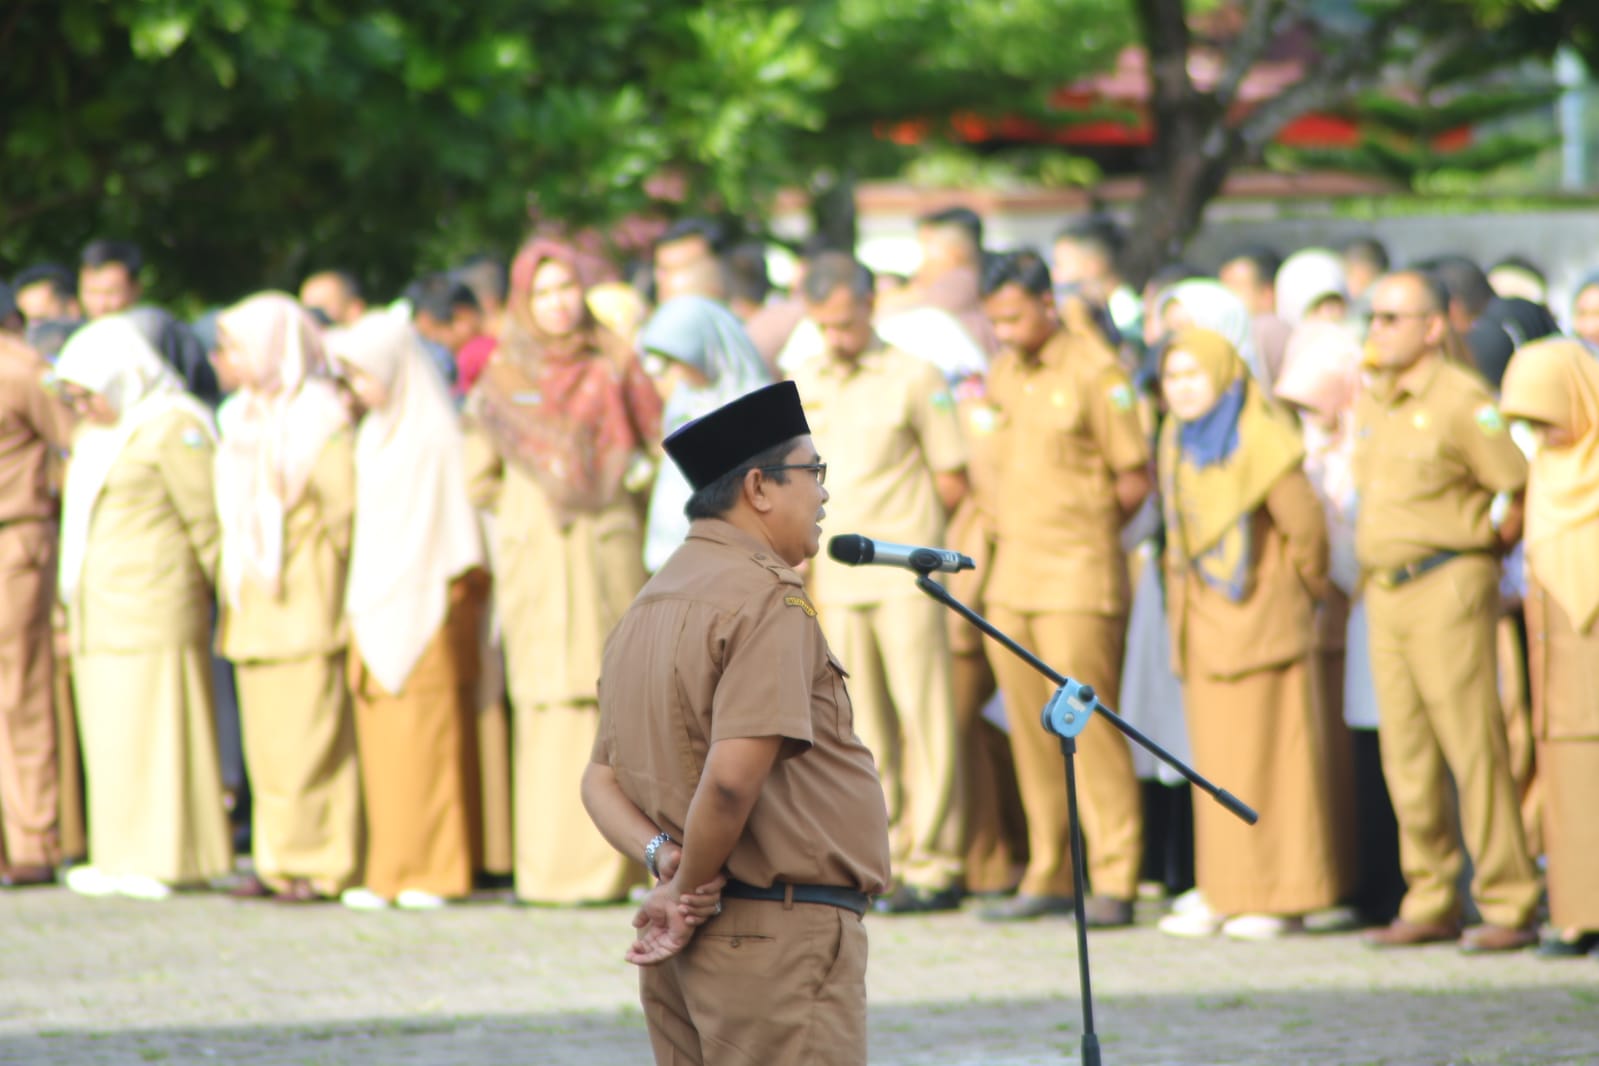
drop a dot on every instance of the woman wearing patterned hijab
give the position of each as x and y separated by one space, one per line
285 478
138 560
1554 385
567 410
1246 550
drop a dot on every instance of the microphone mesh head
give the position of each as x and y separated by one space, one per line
851 549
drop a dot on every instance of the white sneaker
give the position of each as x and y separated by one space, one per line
414 899
138 886
1190 902
1261 927
1339 919
1191 924
89 881
363 899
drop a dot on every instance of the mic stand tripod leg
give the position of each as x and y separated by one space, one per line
1068 750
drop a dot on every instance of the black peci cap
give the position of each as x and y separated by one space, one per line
713 444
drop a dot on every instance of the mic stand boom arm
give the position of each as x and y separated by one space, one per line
1066 715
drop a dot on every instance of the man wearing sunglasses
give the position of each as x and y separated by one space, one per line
1431 452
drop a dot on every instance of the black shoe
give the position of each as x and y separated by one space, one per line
1559 948
1107 912
1021 908
909 899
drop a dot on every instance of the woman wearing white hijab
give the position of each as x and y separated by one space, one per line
285 499
414 596
700 358
138 557
1311 287
1211 305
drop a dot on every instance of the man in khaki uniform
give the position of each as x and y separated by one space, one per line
888 420
1073 464
726 748
1431 452
32 424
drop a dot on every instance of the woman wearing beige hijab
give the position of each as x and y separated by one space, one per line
1246 554
1554 385
138 557
413 600
285 499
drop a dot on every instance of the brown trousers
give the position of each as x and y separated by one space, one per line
28 771
1433 662
1087 648
762 984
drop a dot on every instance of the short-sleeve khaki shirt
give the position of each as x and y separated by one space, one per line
1066 424
724 643
1431 450
885 425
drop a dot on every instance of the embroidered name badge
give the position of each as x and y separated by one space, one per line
799 601
1489 420
1121 397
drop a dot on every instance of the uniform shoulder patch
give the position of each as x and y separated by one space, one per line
193 438
1120 396
943 401
801 603
1489 420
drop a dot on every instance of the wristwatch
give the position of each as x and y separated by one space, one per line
650 851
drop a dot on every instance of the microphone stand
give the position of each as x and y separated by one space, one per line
1066 715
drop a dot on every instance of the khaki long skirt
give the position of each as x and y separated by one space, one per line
305 784
154 780
1257 737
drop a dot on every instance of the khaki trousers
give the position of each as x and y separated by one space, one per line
1433 661
28 770
762 984
1087 648
897 655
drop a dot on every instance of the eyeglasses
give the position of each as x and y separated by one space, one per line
1389 318
819 469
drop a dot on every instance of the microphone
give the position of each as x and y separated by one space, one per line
852 549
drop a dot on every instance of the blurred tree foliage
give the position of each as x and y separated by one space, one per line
246 142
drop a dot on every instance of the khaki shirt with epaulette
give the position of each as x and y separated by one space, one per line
884 424
153 542
1066 424
723 643
305 615
1431 451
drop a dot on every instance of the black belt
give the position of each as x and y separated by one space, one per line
1392 579
832 895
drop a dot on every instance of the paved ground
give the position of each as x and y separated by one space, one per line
204 979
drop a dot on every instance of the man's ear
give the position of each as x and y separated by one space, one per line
754 490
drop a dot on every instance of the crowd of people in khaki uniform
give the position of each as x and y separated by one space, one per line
1329 528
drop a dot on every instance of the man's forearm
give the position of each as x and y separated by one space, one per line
616 817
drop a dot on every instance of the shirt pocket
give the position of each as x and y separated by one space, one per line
1423 467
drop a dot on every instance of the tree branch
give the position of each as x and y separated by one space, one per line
1164 28
1248 48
